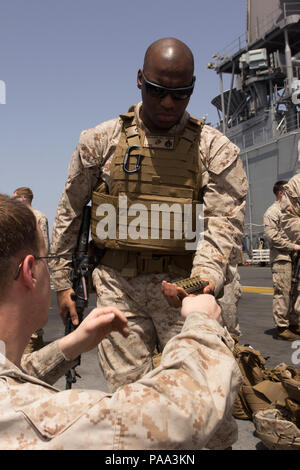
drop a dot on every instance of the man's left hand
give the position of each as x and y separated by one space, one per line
92 330
174 295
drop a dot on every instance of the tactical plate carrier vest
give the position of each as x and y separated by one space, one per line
153 176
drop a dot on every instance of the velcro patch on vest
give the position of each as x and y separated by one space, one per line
159 142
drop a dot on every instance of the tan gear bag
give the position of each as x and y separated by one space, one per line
275 431
264 386
251 364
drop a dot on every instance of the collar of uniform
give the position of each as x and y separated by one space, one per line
174 130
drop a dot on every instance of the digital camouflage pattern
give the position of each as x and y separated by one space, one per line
224 192
280 258
36 340
290 221
230 299
290 208
185 403
280 245
150 319
43 224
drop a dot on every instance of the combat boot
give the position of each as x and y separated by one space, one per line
295 329
286 334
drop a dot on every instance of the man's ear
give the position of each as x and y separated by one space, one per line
139 79
27 272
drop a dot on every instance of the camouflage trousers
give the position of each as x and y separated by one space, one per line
152 322
284 316
229 303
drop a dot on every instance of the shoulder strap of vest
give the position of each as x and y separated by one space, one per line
197 121
191 132
131 129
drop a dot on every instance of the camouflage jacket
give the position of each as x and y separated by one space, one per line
225 188
185 403
290 208
280 245
43 224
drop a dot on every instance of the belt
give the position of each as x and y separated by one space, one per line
132 263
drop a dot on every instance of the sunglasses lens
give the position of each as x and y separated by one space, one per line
181 95
155 91
160 91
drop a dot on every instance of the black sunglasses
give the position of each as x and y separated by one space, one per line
159 91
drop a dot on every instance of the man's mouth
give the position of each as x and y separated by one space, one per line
166 117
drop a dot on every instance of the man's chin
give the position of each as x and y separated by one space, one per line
165 124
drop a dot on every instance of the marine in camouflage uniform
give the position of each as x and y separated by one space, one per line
223 190
281 249
180 405
36 341
196 382
290 222
44 226
25 195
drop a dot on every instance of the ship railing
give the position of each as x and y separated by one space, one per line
281 128
260 256
236 45
263 25
288 124
252 138
291 8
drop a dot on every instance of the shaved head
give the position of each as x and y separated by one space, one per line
168 63
171 54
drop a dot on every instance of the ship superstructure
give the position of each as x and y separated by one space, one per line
260 112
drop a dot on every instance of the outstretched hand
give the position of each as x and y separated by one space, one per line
203 303
92 330
174 294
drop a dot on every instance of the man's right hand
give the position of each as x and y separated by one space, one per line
67 306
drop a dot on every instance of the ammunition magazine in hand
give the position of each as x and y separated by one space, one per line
192 285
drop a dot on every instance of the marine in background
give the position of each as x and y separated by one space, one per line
25 195
290 208
281 257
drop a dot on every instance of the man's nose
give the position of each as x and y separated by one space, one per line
167 101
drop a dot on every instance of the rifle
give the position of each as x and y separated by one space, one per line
295 279
81 271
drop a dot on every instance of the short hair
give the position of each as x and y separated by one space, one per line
278 186
18 235
26 192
